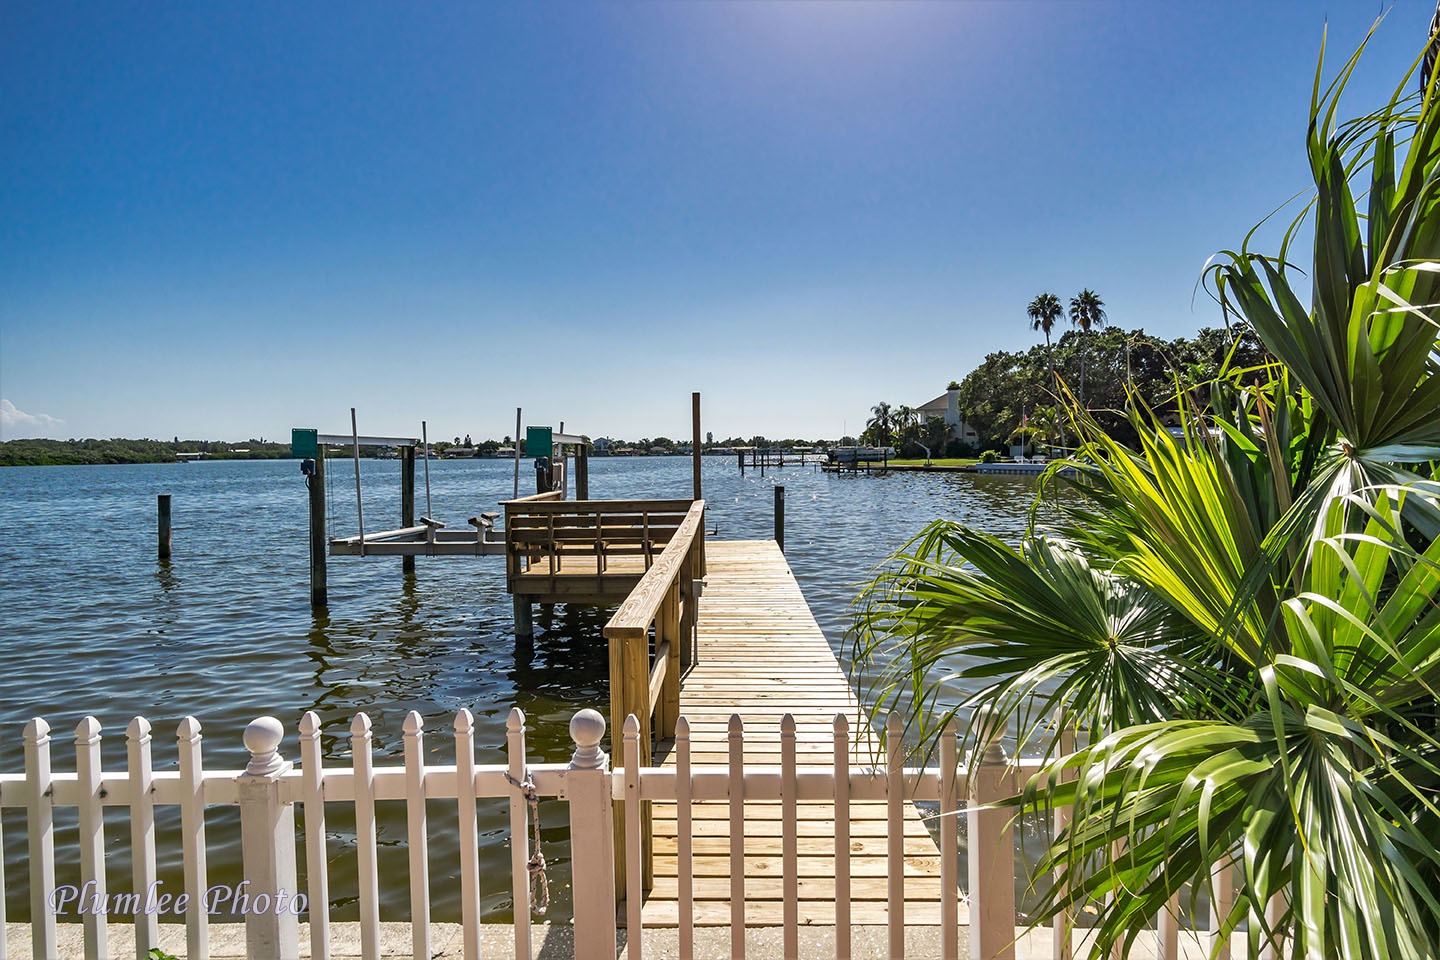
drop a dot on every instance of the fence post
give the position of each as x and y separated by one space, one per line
992 859
267 836
592 839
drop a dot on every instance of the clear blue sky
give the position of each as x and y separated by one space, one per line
225 220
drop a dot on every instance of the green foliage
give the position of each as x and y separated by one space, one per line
31 453
989 456
1240 609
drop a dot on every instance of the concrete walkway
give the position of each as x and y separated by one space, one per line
556 942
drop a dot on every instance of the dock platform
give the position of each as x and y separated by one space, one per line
761 654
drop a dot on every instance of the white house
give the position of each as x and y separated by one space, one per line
947 407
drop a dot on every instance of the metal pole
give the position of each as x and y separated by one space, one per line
517 454
359 508
425 439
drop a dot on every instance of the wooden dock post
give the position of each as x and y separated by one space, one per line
695 432
407 499
315 480
582 472
780 517
162 509
524 617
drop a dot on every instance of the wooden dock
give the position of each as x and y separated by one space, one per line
761 655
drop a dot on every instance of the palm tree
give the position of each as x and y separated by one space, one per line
881 423
1087 310
1244 621
1044 312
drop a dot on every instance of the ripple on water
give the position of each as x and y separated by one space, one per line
93 624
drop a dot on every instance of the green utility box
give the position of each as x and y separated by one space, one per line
538 442
304 444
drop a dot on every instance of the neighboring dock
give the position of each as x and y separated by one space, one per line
761 655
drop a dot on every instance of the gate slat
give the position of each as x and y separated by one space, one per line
790 850
469 832
363 765
949 844
317 869
842 837
192 830
92 834
519 835
895 833
634 855
685 843
415 831
735 739
40 824
142 830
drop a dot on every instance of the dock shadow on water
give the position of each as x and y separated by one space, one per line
223 631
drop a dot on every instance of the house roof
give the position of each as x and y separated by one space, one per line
939 404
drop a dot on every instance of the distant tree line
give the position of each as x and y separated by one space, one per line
42 453
1009 397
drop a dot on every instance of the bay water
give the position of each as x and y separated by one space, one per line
92 624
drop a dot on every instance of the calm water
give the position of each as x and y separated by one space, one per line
90 623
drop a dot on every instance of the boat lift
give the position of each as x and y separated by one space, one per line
422 536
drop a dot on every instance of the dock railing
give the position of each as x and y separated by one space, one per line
561 550
644 672
270 787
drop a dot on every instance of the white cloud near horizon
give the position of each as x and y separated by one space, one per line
16 421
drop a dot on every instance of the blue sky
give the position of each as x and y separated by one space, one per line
225 220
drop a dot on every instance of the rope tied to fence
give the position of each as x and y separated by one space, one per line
539 880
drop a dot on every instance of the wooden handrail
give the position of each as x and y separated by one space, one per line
637 612
552 504
536 498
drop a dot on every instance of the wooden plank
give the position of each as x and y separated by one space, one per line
761 656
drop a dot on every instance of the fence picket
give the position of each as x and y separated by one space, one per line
4 944
414 729
634 876
469 832
789 850
1064 928
142 830
363 765
735 742
842 836
192 831
950 843
1167 930
92 834
317 870
1222 899
685 843
519 835
895 833
992 859
40 823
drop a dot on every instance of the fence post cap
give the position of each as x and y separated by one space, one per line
87 730
37 730
587 728
188 729
262 739
139 729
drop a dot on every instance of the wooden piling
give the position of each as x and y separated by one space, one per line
695 432
319 592
524 618
582 472
780 518
162 509
407 499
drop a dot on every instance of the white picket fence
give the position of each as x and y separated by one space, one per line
269 788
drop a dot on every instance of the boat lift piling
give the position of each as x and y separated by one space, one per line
308 445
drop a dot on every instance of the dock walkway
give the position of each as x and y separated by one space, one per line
762 655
